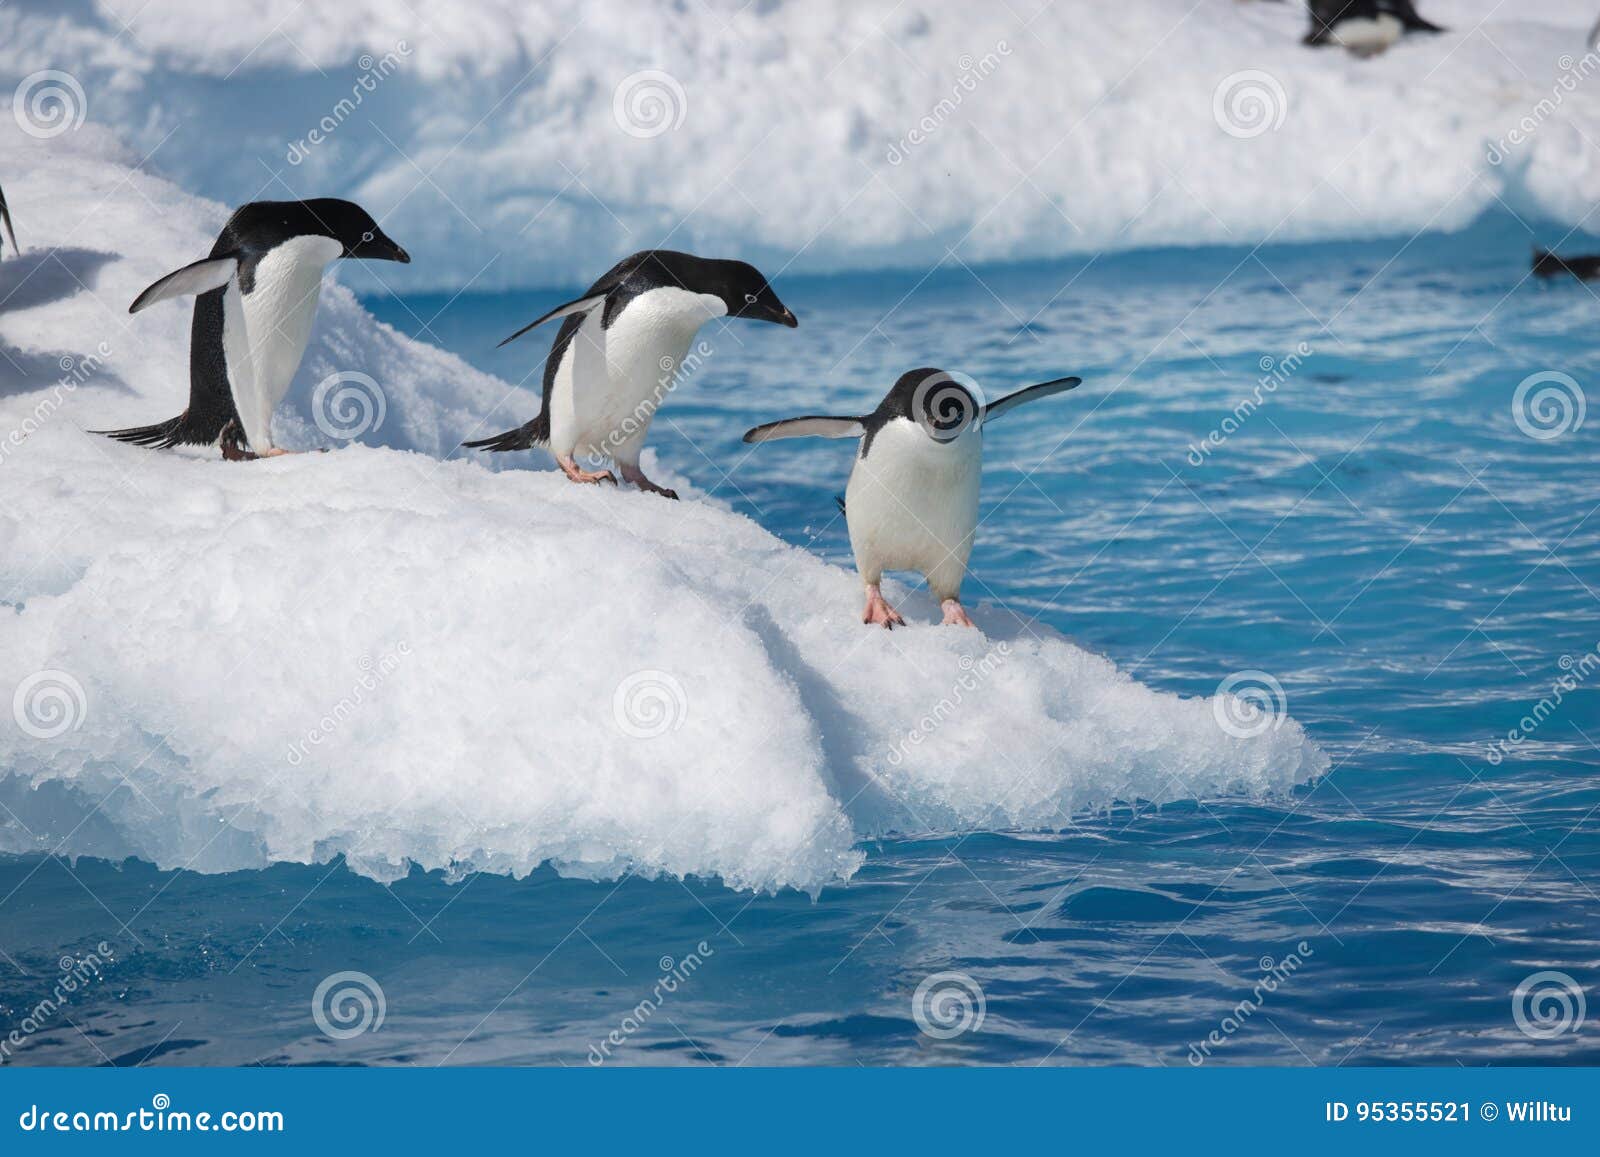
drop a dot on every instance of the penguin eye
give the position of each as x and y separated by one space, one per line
367 236
749 299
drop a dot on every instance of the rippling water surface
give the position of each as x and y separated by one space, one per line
1380 535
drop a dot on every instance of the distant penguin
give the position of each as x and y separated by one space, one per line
1548 264
5 219
255 299
614 359
1365 27
912 499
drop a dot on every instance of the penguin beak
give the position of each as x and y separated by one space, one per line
789 319
380 248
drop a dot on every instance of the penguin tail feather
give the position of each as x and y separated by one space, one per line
179 431
525 437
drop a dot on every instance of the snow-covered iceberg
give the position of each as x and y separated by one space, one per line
514 141
411 660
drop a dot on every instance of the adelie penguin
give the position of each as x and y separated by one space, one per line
255 299
616 353
1365 27
912 499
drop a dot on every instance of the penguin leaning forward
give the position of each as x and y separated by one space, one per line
618 353
255 299
912 499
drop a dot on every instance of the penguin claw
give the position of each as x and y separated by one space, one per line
880 612
955 615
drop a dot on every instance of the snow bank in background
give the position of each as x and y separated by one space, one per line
787 132
412 661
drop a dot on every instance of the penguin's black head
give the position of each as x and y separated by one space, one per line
352 227
746 293
946 405
261 225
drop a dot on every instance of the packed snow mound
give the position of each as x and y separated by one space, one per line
530 144
407 660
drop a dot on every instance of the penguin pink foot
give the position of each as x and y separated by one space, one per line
955 615
879 612
636 476
574 472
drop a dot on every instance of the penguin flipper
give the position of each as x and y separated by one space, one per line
581 305
5 219
810 426
196 278
1032 393
524 437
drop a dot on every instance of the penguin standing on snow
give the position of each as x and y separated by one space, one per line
912 499
5 219
614 359
255 299
1365 27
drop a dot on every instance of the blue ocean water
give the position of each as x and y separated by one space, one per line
1376 530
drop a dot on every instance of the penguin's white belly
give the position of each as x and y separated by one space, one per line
611 381
912 504
278 313
1368 35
